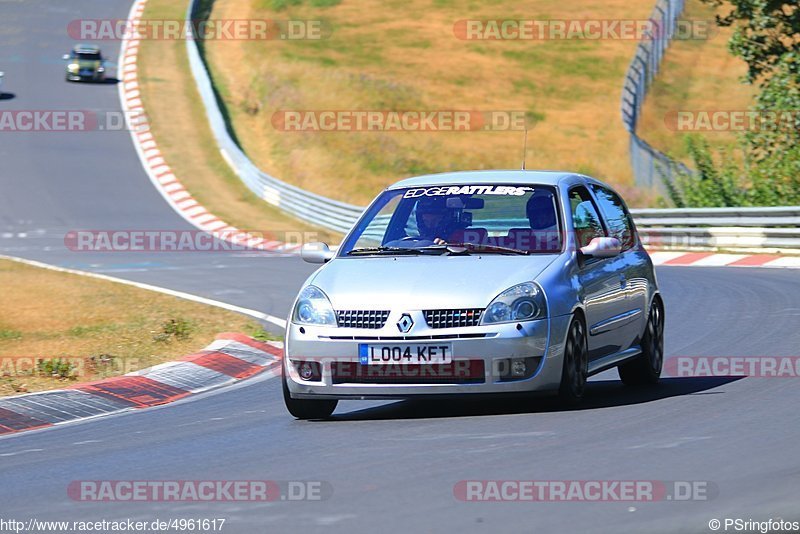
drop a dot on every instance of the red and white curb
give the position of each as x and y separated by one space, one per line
713 259
229 359
156 166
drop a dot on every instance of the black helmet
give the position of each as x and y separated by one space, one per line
430 205
540 211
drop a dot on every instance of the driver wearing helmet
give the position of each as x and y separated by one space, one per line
435 221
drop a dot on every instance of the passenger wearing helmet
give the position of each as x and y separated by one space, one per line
543 233
541 213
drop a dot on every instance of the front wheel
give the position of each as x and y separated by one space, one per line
307 408
646 368
576 365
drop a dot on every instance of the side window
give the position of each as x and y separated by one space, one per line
585 218
617 217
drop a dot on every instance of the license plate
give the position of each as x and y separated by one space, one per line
432 353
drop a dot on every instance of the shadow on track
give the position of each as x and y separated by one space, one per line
599 394
109 80
6 96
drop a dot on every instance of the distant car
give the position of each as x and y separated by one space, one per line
471 283
85 63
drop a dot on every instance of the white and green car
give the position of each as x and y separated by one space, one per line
85 63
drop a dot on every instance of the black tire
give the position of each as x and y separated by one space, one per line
646 368
576 364
307 408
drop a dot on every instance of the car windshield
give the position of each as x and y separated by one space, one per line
468 218
89 56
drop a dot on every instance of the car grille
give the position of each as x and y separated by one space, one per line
372 319
453 318
459 372
476 335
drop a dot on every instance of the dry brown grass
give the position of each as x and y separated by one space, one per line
402 55
179 125
696 75
48 314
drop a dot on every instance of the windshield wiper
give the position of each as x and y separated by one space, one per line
489 249
453 248
389 251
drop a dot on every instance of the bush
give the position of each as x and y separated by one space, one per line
768 181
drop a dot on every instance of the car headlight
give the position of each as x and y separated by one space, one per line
523 302
313 307
72 67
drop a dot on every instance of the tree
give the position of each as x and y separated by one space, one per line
767 38
766 30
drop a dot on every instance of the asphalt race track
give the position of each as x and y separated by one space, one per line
392 466
54 182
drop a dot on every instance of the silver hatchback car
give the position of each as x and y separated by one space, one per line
473 283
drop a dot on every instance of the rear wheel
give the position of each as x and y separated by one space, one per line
576 364
646 368
307 408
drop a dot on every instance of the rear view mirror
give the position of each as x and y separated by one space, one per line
469 203
602 247
316 253
65 56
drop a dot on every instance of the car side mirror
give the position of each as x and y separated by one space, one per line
65 57
602 247
316 253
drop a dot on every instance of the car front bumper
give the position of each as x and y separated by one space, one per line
85 77
480 357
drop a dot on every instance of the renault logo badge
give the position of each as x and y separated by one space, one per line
405 324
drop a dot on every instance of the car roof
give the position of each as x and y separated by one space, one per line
86 49
494 176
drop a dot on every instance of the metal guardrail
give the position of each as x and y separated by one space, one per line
649 165
307 206
775 229
734 229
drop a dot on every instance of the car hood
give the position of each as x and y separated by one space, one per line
92 64
424 282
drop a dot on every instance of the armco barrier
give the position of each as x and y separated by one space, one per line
304 205
734 229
